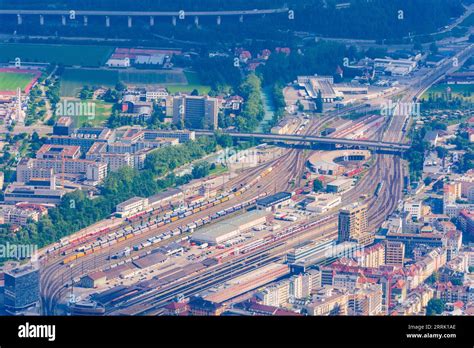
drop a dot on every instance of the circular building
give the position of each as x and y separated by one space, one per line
330 162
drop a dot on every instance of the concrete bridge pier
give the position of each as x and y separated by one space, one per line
129 21
63 20
173 20
196 21
152 21
241 18
85 21
41 20
219 20
107 21
19 19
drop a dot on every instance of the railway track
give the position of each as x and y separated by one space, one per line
55 275
287 167
157 298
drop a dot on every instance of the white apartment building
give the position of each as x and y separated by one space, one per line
414 208
131 206
16 216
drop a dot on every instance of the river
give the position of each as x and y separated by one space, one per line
269 108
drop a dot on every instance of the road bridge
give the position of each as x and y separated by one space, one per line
181 14
369 144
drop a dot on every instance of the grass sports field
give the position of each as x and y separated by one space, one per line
10 81
91 56
175 81
193 82
102 110
74 79
162 77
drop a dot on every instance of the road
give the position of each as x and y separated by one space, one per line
42 130
455 23
379 145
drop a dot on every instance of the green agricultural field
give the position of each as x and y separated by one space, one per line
457 91
11 81
73 80
89 56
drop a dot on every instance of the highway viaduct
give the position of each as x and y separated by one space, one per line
369 144
67 15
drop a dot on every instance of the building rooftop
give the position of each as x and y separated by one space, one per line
64 121
224 227
130 201
155 59
51 150
150 260
97 275
203 304
431 136
164 195
22 270
273 199
339 182
97 148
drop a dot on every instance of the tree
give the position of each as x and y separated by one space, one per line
200 170
441 151
111 96
300 105
317 185
253 111
195 92
35 137
456 282
434 48
218 72
427 180
435 306
86 93
223 140
120 86
417 46
433 278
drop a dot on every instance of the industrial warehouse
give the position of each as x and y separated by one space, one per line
228 229
276 201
